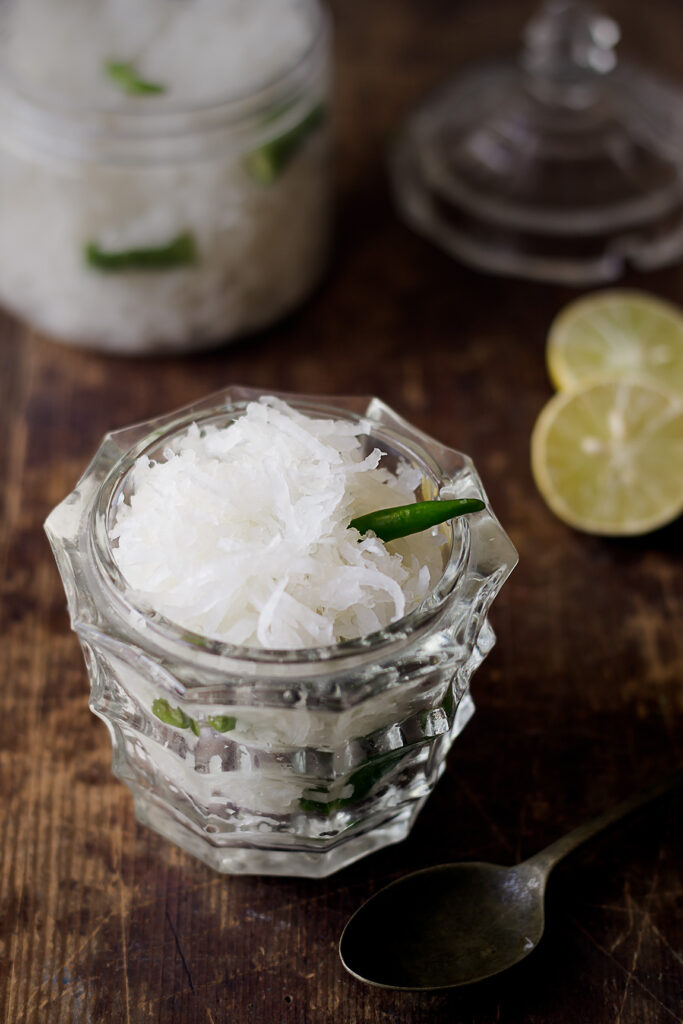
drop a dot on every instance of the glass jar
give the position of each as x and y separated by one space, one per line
292 762
149 224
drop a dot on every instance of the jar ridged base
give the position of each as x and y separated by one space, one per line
252 860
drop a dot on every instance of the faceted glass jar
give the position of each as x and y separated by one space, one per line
150 224
292 762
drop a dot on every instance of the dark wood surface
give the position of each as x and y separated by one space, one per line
580 703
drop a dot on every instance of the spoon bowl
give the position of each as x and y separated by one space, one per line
446 926
459 923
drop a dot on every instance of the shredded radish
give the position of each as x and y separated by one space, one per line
241 533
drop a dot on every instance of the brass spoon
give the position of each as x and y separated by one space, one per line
459 923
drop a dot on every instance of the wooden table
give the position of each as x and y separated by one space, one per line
580 702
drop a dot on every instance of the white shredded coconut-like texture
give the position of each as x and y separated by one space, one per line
241 533
260 248
199 50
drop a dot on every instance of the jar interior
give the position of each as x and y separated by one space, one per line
162 55
398 450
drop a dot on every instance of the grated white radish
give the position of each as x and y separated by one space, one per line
242 534
199 50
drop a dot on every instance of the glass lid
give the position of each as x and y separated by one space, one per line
561 164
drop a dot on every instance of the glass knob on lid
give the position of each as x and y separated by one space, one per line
562 165
568 46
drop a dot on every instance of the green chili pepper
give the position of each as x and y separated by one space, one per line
319 806
173 716
390 523
365 777
448 703
179 720
223 723
178 252
362 781
189 638
267 163
123 73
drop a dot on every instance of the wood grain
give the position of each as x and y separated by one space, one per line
580 703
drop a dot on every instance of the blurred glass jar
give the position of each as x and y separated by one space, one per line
281 762
143 224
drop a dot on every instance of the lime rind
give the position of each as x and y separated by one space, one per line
608 459
615 334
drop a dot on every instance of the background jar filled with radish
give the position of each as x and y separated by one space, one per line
164 177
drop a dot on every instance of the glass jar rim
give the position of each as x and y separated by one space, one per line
141 120
214 653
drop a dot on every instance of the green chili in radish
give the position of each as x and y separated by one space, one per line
123 73
180 251
401 521
267 163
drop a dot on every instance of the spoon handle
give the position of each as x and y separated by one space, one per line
557 851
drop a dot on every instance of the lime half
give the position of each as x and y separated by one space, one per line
615 334
608 458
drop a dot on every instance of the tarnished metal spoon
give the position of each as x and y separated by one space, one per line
459 923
